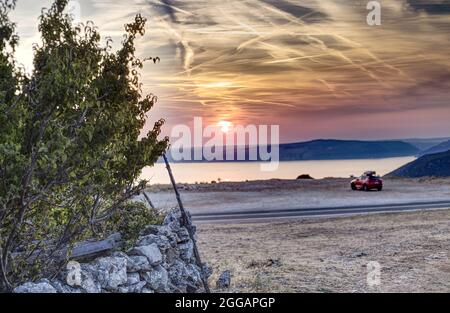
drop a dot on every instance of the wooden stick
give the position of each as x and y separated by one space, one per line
187 223
148 200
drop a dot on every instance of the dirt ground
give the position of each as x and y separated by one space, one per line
332 255
326 254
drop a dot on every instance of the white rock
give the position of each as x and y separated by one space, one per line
42 287
111 272
133 278
158 279
151 252
90 286
138 263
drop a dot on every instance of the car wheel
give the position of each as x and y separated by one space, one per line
380 188
353 187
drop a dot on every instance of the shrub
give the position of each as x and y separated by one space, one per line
70 147
130 220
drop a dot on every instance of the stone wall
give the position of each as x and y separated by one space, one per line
161 261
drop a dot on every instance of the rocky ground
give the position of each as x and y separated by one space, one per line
333 254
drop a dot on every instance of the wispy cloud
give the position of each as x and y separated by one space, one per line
285 60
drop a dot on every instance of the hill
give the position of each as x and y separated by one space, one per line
442 147
436 165
345 149
425 143
325 149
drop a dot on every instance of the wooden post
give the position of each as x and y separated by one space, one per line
187 223
149 201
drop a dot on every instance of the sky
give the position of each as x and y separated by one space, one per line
314 67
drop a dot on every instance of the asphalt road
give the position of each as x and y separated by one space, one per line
270 215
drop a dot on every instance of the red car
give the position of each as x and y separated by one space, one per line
367 182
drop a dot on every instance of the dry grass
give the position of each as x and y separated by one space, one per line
331 255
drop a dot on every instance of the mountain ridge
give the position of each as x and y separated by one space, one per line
328 149
442 147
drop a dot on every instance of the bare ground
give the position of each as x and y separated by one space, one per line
331 255
281 194
326 254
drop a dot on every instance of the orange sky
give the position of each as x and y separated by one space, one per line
314 67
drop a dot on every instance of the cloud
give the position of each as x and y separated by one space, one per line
281 60
430 6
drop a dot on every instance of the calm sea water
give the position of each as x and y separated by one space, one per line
241 171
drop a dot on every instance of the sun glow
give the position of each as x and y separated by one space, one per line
220 84
225 126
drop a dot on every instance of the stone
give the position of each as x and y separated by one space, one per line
224 280
150 230
138 263
359 255
176 289
157 279
171 255
88 281
183 235
207 270
194 275
111 272
133 278
178 274
64 288
161 261
191 288
161 241
40 287
169 233
135 288
151 252
173 219
187 251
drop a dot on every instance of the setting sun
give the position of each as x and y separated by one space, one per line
225 126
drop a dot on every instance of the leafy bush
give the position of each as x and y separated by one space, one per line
70 146
130 220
